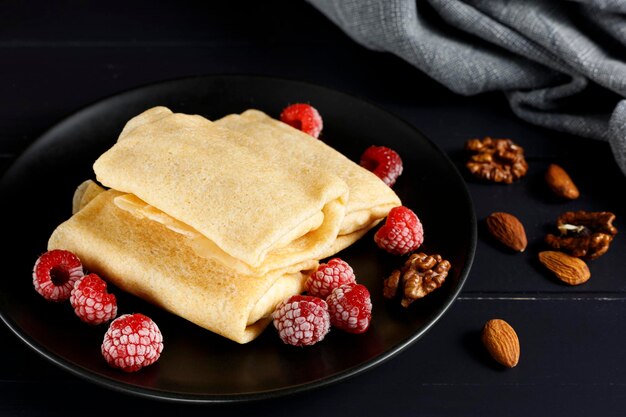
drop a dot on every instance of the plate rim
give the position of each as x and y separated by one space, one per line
170 396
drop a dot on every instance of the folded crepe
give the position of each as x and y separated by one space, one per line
218 222
252 212
369 199
84 193
151 261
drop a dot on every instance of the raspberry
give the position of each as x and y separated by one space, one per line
350 308
402 232
385 163
302 320
329 276
91 302
303 117
55 273
132 342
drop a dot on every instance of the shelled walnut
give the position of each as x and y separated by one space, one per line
497 160
584 234
420 275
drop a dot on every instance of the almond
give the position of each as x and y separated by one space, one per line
507 229
571 270
502 342
560 182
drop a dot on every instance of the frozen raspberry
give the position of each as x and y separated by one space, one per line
132 342
402 232
350 308
385 163
303 117
55 273
302 320
329 276
91 302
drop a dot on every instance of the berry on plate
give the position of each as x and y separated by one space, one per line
384 162
329 276
350 308
303 117
91 302
402 232
132 342
55 273
302 320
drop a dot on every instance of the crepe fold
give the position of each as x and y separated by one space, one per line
370 199
151 261
252 212
219 222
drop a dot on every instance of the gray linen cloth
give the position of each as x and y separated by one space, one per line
561 64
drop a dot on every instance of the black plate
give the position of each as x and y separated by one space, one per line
196 365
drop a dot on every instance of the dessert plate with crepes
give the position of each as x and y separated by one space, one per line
278 204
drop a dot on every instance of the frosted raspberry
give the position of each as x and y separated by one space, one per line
55 273
132 342
302 320
329 276
402 232
385 163
91 302
303 117
350 308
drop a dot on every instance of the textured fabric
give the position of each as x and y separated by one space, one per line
548 57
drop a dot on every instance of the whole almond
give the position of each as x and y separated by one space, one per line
507 229
561 183
501 342
570 270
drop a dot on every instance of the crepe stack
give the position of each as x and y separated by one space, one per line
218 222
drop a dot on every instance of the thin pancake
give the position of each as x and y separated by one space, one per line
145 258
217 182
370 199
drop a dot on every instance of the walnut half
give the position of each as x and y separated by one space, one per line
420 275
584 234
497 160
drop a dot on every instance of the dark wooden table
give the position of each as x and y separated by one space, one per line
60 56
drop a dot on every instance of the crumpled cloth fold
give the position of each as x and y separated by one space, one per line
561 64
